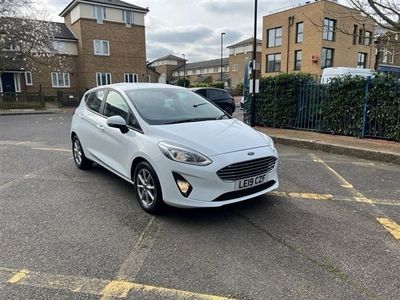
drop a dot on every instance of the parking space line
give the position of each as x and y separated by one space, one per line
390 226
53 149
18 276
94 286
310 196
358 196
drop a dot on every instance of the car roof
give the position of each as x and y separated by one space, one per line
138 86
206 88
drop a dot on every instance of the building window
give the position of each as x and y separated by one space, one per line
327 58
130 77
99 13
127 17
216 70
299 32
368 38
297 60
235 67
101 47
362 60
361 37
103 78
28 78
148 78
355 31
329 29
17 82
60 80
274 62
385 56
274 37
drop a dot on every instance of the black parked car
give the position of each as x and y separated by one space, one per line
220 97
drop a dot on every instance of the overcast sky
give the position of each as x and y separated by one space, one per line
193 27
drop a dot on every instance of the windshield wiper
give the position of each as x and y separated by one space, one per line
190 120
200 104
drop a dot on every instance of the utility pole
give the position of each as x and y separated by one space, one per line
184 70
222 56
253 99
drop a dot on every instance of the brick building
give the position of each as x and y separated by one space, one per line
239 54
166 65
388 45
102 42
319 34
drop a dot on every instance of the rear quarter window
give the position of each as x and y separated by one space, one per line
94 101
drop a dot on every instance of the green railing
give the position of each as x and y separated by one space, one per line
21 100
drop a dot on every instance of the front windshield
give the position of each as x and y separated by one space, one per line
160 106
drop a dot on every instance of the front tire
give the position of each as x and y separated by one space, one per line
148 188
79 156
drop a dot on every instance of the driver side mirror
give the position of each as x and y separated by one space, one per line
118 122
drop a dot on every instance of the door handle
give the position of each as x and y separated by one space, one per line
100 127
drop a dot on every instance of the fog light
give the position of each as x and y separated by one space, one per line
183 185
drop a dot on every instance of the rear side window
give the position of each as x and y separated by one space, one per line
216 94
94 101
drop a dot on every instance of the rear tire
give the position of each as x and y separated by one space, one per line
79 156
148 188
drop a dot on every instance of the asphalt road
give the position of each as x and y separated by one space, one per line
72 234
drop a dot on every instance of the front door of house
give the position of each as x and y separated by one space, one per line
8 82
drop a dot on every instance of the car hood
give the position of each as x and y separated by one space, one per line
211 137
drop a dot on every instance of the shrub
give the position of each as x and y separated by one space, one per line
183 82
218 84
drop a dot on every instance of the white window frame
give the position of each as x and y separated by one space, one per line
148 78
101 47
103 15
28 82
134 76
1 85
108 78
126 20
64 76
235 67
17 82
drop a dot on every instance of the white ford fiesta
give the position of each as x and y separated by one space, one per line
173 145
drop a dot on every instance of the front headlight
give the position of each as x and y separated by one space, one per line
183 155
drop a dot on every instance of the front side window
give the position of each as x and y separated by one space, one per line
103 78
94 101
362 60
274 62
327 58
299 32
297 60
99 13
127 17
101 47
329 29
115 105
60 80
130 77
274 37
169 106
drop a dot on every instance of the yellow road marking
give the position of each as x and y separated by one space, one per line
311 196
18 276
52 149
390 226
95 286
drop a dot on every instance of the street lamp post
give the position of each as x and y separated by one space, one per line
253 99
184 70
222 56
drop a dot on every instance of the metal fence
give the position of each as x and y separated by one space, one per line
21 100
362 109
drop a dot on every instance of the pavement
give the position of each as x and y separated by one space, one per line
331 230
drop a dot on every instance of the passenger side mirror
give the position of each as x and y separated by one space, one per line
118 122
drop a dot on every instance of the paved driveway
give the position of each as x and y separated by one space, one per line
328 233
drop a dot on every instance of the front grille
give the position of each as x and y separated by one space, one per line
246 192
247 169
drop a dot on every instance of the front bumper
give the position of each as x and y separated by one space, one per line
209 190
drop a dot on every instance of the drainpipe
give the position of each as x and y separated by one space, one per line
290 24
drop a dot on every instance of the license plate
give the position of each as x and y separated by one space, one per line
250 182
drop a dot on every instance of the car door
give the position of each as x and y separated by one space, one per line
92 124
118 148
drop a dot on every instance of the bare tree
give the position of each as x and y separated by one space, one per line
26 41
385 13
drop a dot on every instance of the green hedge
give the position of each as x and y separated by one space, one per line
276 102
